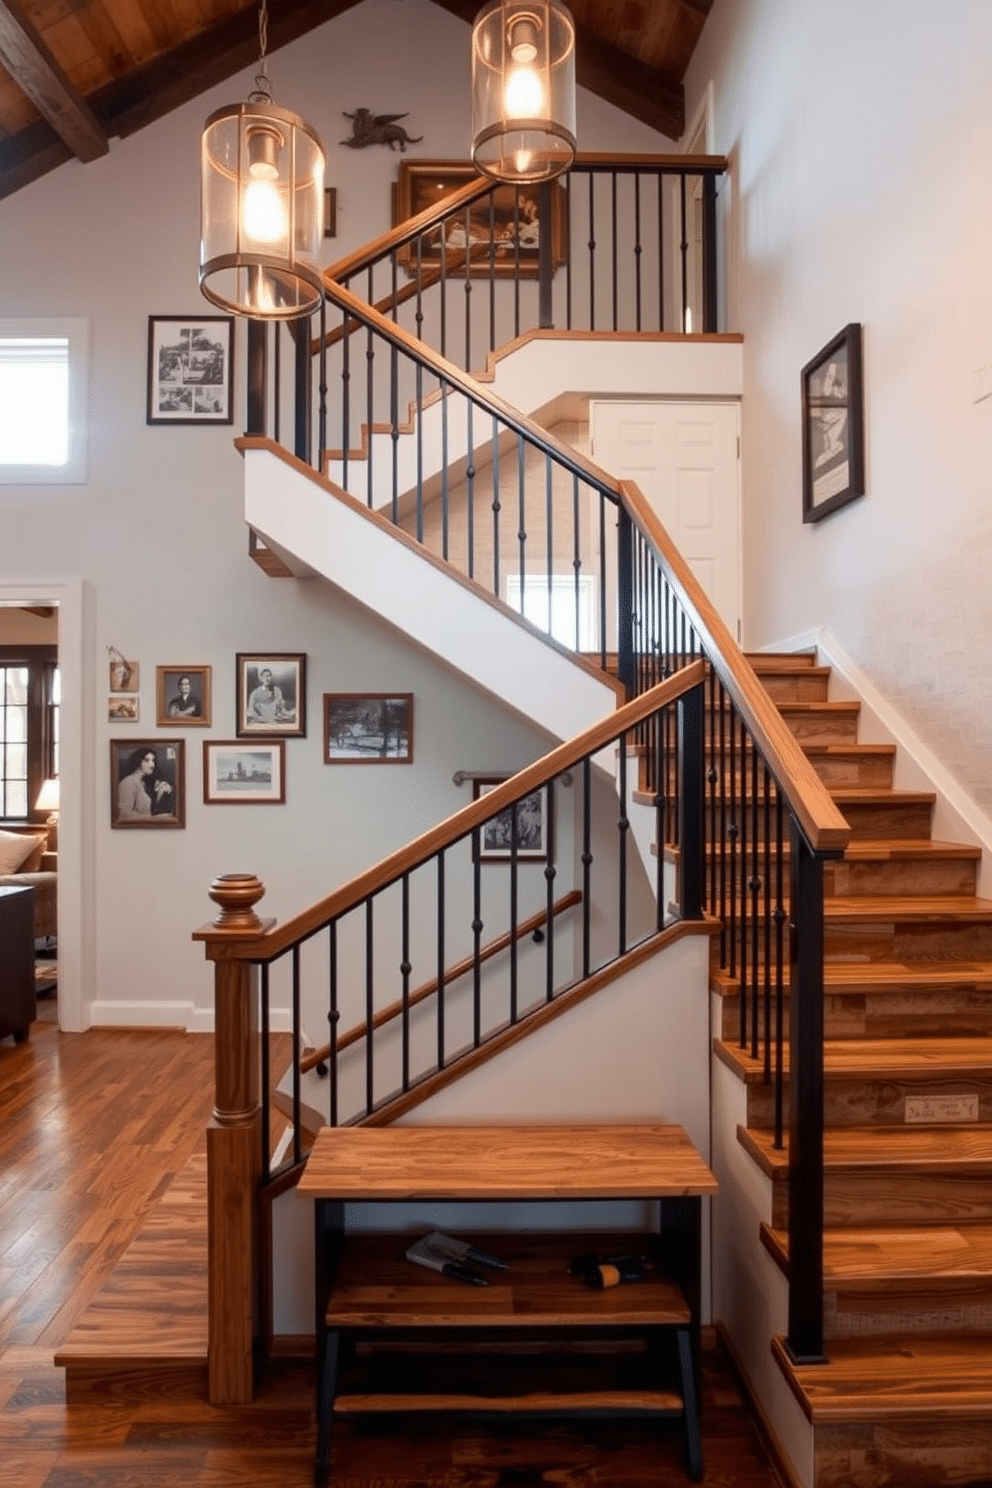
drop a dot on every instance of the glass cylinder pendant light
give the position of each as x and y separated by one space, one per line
523 90
261 206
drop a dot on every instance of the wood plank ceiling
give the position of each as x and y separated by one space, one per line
75 74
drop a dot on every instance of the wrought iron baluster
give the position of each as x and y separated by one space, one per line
766 901
405 969
780 919
265 1072
592 254
295 1014
468 288
322 387
394 428
522 518
369 1010
660 187
684 249
638 250
549 542
496 505
333 1018
623 826
586 862
470 489
419 384
477 928
580 640
550 874
514 886
445 392
568 257
616 251
370 416
755 887
441 989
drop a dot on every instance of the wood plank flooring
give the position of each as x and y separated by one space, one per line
95 1129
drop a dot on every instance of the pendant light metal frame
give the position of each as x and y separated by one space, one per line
264 266
523 90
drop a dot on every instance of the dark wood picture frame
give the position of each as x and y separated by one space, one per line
492 843
368 728
190 369
177 706
164 784
276 709
504 235
833 426
237 773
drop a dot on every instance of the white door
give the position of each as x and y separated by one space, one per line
685 457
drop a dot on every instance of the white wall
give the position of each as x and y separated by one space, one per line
859 137
156 536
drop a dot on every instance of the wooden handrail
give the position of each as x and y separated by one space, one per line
273 941
460 969
412 227
824 827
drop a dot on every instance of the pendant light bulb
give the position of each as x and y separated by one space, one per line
524 96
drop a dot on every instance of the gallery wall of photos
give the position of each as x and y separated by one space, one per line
148 775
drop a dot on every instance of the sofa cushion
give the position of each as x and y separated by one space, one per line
16 848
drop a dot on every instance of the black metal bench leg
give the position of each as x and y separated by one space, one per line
690 1405
325 1405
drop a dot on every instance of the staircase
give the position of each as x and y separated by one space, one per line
906 1394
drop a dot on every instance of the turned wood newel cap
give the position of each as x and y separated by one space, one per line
237 894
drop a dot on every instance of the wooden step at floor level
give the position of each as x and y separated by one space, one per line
890 1379
888 1175
901 1279
867 1081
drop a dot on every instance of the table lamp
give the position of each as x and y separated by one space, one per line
48 800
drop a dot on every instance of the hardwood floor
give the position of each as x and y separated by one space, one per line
94 1128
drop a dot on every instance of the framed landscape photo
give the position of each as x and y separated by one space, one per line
122 709
147 783
368 728
182 696
190 369
271 694
493 843
833 426
501 231
239 774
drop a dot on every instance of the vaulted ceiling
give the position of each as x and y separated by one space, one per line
75 74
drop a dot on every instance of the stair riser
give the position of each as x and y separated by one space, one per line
913 1451
945 1014
814 727
802 686
946 1305
851 1199
863 1101
866 772
890 822
915 941
930 876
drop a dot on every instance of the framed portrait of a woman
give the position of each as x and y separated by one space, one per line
147 783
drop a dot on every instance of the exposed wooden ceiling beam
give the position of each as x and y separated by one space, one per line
611 74
175 77
32 66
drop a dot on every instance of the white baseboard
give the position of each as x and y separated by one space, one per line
956 817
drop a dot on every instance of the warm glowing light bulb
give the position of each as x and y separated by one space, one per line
521 161
524 96
264 218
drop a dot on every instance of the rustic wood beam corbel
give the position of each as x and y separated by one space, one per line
32 66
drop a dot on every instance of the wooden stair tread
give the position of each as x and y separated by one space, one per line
876 1378
941 1149
878 907
925 1254
861 795
781 661
879 976
546 1401
881 1058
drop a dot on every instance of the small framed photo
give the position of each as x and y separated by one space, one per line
123 675
190 369
147 783
833 426
493 843
239 774
122 710
182 696
368 728
272 694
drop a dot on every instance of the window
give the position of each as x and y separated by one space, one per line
43 393
30 700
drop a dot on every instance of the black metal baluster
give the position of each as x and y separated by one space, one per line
277 382
440 963
684 248
638 249
394 427
266 1072
691 725
295 1014
522 518
492 274
625 601
370 413
514 862
602 581
623 825
477 928
550 874
660 816
766 900
568 249
516 263
445 393
470 490
736 877
369 1010
549 541
780 918
405 969
721 824
660 187
496 507
419 384
333 1018
586 862
710 317
322 389
256 406
468 287
754 885
614 275
577 562
345 401
592 254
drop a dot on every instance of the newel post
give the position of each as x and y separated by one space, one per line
234 1153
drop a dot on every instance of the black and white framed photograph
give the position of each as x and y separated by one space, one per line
182 696
493 843
240 774
368 728
190 369
147 783
833 426
271 694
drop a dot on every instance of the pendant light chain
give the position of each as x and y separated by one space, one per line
263 88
